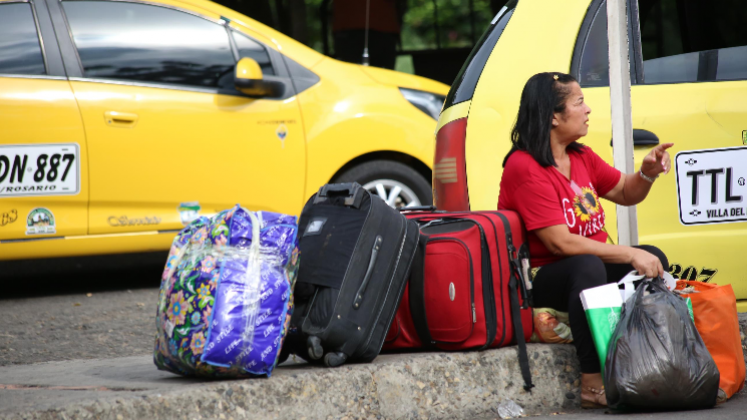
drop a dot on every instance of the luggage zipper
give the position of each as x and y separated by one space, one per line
471 278
500 270
491 316
347 270
393 272
489 295
507 228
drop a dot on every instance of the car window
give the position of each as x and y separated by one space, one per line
692 40
590 63
20 51
130 41
594 65
464 85
250 48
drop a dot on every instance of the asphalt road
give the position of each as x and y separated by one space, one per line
735 408
78 309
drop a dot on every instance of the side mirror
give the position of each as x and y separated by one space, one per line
249 81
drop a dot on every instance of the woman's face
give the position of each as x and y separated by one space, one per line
573 123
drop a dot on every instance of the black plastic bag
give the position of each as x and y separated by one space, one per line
656 358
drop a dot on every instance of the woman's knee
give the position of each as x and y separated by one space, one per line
590 271
659 253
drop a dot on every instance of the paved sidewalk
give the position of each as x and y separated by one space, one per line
422 385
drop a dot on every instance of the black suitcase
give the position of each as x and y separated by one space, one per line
356 253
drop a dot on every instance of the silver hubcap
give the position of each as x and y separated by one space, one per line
395 193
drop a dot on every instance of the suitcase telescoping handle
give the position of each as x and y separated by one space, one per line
417 208
430 209
369 272
350 190
344 189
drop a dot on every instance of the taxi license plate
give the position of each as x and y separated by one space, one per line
711 186
39 169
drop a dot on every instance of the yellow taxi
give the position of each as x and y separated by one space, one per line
121 121
688 72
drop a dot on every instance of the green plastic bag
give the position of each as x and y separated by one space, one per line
602 306
690 308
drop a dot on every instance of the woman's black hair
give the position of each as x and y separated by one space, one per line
543 95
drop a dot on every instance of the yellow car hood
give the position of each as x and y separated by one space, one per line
395 78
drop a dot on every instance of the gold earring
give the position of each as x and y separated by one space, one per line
555 76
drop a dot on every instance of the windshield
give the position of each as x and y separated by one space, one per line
466 81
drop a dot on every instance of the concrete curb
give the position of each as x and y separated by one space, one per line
395 386
401 386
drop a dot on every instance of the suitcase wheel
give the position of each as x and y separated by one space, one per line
335 359
314 347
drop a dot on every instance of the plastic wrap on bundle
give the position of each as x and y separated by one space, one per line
226 297
551 326
656 358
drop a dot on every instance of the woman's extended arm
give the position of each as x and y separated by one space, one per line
562 242
632 188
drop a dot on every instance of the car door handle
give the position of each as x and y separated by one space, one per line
643 138
120 119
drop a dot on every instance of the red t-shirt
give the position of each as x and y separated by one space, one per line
544 197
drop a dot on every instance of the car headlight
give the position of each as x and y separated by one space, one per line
430 103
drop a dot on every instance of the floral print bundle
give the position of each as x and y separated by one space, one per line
227 295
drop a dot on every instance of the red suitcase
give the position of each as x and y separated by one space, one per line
467 289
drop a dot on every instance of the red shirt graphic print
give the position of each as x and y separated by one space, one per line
545 197
586 216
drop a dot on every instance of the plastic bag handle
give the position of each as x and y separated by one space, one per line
627 281
250 293
656 283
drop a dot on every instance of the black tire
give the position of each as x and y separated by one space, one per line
390 170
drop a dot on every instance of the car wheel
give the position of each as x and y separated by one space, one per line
396 183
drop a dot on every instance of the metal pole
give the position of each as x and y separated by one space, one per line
436 26
622 117
472 21
365 35
323 15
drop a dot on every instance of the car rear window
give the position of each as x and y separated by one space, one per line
464 85
20 51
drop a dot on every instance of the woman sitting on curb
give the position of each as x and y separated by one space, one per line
554 183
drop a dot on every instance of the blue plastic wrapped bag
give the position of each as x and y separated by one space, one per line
226 295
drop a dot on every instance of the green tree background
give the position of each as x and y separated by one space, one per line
427 24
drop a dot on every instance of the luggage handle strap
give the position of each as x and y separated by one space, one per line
369 271
417 294
513 286
518 259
